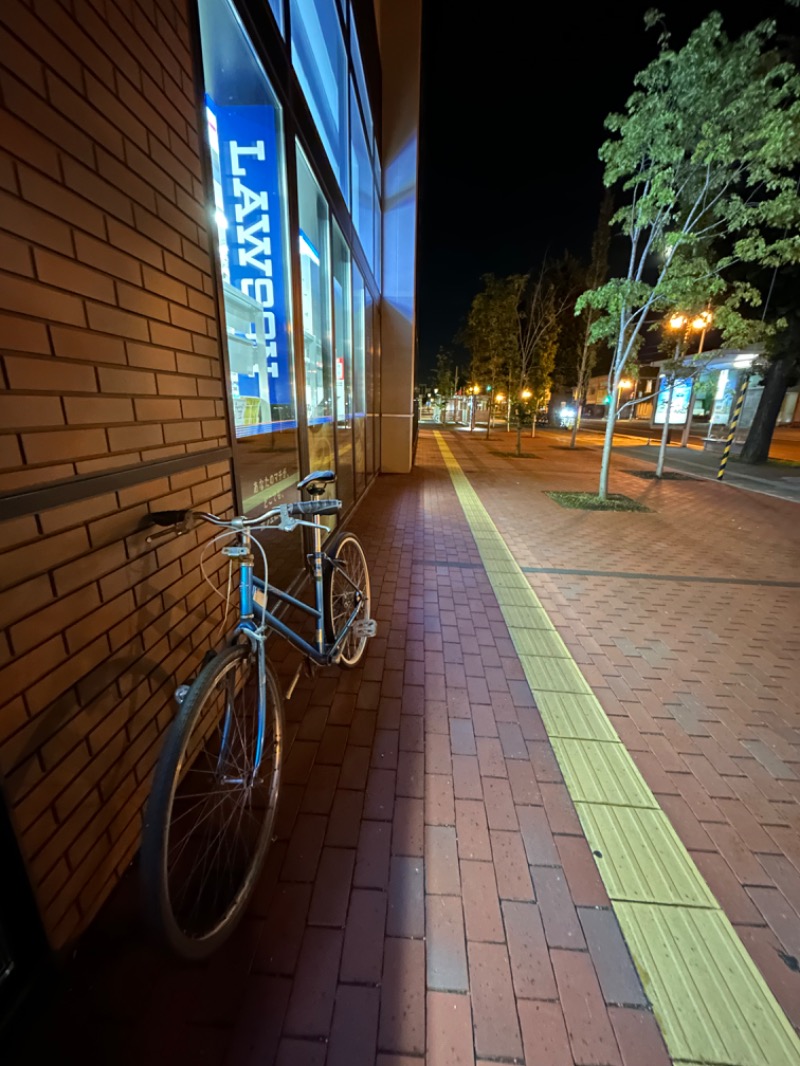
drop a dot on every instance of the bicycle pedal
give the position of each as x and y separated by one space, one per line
293 683
365 627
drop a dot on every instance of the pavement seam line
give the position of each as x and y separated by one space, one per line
687 956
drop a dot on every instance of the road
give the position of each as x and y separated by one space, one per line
785 441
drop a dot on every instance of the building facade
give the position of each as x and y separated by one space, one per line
207 290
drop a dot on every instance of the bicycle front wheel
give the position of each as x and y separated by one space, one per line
209 817
347 589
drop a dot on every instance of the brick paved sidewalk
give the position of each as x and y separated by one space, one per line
431 895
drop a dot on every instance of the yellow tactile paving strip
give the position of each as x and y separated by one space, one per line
710 1000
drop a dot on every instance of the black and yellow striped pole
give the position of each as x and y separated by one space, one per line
732 430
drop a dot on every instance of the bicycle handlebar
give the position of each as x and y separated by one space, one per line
307 507
285 511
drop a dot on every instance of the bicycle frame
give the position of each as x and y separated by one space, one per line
249 610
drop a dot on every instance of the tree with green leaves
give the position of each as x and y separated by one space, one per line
705 156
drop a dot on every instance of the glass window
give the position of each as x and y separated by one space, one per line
369 341
359 381
362 207
376 383
245 136
361 81
316 289
277 11
343 365
376 248
320 61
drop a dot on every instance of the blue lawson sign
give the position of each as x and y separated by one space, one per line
248 165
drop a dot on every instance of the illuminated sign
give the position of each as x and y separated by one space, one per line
244 148
679 409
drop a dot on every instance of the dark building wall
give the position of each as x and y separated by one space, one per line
111 392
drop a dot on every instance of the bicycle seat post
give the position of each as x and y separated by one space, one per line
319 635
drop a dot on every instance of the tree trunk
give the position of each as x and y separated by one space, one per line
606 460
519 436
576 423
756 448
662 450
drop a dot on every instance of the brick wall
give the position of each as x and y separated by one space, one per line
110 361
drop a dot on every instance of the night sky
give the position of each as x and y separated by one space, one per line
513 104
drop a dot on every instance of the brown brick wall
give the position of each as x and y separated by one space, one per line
109 361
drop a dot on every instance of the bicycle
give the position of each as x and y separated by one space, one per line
208 820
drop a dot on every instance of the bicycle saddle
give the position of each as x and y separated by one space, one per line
310 482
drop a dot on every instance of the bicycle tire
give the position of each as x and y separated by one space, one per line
198 877
340 594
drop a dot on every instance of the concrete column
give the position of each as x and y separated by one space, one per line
399 33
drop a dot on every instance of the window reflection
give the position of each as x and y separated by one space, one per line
244 127
343 365
316 288
359 382
371 382
362 200
320 62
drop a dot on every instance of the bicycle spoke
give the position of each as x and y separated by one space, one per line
221 812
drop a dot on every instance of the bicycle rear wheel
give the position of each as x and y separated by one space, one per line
209 817
346 587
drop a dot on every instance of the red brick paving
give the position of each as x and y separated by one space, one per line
431 897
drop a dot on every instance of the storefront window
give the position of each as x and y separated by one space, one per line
320 62
245 136
361 81
375 406
277 11
359 382
369 339
376 259
314 248
362 201
343 365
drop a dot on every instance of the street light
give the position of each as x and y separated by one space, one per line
474 390
683 325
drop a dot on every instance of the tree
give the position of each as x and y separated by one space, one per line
596 274
783 368
569 275
444 379
491 330
706 153
539 307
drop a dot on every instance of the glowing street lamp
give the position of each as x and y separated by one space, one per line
473 390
